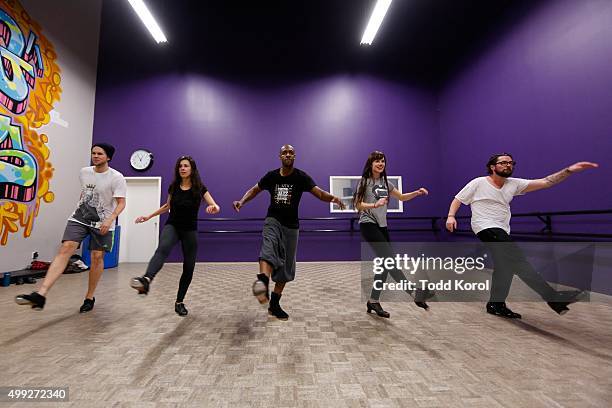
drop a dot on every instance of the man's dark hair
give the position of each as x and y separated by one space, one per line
493 160
108 149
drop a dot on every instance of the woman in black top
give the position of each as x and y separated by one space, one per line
184 197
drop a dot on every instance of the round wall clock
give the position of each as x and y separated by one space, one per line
141 160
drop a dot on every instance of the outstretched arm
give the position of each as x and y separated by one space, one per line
248 196
212 208
327 197
558 177
160 210
408 196
451 222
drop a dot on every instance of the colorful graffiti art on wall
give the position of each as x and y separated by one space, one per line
29 87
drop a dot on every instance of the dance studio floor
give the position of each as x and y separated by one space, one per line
135 351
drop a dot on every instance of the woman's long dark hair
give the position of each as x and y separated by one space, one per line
366 174
196 182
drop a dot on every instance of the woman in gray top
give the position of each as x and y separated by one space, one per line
371 199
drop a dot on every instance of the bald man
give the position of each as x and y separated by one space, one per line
281 227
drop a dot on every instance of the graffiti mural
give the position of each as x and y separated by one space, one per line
29 88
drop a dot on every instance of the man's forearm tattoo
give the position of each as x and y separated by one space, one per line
558 176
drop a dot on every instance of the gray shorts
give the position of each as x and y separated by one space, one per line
77 232
278 248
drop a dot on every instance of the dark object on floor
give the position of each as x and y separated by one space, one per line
35 299
500 309
88 304
377 308
76 265
180 309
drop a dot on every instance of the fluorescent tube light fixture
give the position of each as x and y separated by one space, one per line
375 20
148 20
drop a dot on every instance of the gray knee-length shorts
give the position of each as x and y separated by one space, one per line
278 248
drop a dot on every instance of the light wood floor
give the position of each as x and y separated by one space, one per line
136 352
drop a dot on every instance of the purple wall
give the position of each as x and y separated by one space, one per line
542 91
235 132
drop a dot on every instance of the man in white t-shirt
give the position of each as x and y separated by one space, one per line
102 199
489 199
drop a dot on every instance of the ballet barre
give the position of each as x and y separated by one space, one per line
433 224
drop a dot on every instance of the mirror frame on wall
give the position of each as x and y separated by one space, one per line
339 185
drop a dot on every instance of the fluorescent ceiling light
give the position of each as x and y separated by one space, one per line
375 20
148 20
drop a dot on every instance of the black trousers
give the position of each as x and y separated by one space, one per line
379 236
509 260
189 244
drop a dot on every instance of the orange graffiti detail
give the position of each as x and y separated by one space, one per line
46 91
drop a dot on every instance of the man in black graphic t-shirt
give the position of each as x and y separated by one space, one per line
281 228
285 194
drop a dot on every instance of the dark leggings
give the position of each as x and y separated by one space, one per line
189 244
373 234
508 260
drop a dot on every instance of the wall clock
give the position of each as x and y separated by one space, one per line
141 160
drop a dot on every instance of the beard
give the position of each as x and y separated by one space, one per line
504 173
